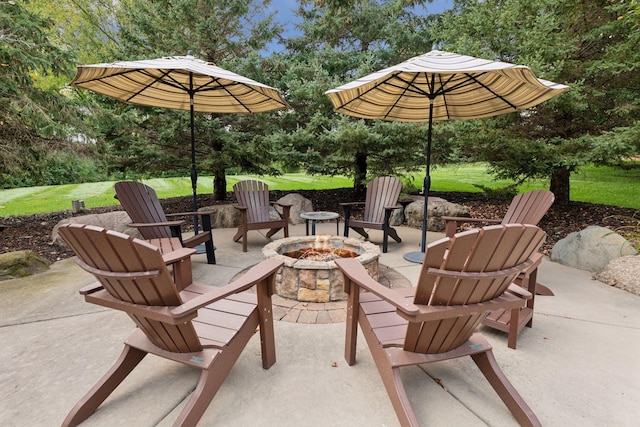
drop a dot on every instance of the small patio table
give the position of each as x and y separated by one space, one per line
320 216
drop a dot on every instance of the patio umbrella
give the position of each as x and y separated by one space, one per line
441 86
180 83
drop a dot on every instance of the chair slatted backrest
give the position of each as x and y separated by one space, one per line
254 195
381 192
143 206
529 207
489 254
132 271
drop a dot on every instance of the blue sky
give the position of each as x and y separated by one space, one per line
285 8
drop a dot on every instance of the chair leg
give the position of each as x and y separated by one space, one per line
399 399
244 240
353 312
385 239
127 361
361 232
238 234
394 235
265 322
208 385
273 231
509 395
347 216
514 322
210 248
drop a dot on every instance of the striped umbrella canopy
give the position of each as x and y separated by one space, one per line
180 83
442 86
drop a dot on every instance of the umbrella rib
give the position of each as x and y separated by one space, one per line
170 81
404 90
206 88
502 98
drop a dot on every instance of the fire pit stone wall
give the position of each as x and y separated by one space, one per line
317 281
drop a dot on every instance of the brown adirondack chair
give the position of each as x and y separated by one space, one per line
381 200
142 204
201 326
526 208
463 278
253 204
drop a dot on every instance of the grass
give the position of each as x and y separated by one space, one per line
54 198
602 185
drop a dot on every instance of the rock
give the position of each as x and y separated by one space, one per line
14 265
437 208
623 273
223 216
117 221
397 217
299 205
591 249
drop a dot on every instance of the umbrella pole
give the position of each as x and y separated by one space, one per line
418 257
194 174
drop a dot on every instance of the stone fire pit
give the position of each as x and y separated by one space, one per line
303 278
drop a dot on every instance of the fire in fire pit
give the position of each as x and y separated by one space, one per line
321 250
309 272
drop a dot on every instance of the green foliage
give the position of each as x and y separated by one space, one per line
340 42
36 120
56 168
591 46
410 184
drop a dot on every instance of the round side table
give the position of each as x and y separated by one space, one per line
320 216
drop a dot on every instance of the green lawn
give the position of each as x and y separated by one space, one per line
32 200
601 185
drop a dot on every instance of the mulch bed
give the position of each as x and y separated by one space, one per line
33 232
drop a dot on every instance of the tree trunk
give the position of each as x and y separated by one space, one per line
559 185
360 175
219 184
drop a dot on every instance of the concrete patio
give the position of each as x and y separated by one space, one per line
578 366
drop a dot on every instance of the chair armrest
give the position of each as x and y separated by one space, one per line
352 203
358 275
241 208
519 291
177 255
393 207
89 289
256 274
156 224
284 205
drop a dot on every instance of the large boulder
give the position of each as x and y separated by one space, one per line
623 273
591 249
223 216
14 265
117 221
298 204
436 209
